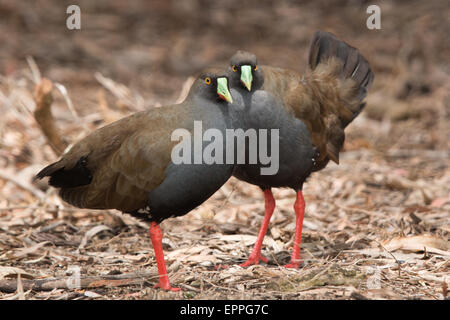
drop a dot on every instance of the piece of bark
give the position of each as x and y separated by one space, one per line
44 117
10 285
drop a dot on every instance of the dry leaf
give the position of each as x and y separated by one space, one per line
30 250
6 272
92 232
418 243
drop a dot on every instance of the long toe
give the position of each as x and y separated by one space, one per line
254 260
221 267
167 287
294 265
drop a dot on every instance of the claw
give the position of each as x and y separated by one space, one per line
221 267
252 260
293 265
166 287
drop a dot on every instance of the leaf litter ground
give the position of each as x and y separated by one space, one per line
376 226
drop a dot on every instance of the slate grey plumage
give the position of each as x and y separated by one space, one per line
262 113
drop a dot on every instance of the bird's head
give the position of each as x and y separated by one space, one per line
214 84
244 71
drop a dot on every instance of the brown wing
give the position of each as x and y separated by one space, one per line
125 159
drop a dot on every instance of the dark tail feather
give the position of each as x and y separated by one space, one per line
325 46
49 170
60 177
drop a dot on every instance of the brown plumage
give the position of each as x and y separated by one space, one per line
116 166
124 160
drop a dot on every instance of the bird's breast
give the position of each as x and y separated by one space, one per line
282 144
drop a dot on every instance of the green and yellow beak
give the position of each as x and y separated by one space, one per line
222 89
247 77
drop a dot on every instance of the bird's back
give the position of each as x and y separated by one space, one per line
117 165
279 82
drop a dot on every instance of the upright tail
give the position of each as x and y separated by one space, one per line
338 82
326 48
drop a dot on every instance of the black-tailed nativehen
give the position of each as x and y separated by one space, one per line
311 112
128 165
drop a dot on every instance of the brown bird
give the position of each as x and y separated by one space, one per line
127 165
311 111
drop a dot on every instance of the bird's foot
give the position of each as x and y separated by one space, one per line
254 259
166 287
294 265
221 267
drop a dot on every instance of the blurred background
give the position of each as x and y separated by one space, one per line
393 181
154 45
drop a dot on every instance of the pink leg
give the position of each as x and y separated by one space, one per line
299 208
255 256
156 237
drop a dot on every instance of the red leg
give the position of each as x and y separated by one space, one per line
156 237
299 208
255 256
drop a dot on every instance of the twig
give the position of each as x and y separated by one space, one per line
18 207
409 153
20 288
35 73
357 209
189 287
83 283
398 262
358 296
